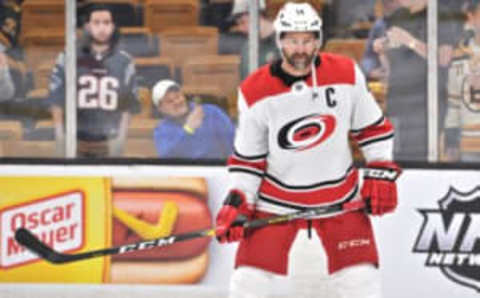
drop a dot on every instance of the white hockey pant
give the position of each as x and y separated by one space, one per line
308 275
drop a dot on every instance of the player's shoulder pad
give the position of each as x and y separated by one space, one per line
335 69
260 85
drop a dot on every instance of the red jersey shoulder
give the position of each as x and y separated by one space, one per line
335 69
260 85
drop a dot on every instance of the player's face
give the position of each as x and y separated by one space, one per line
173 104
101 26
299 49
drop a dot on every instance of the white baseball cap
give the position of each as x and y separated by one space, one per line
161 88
241 6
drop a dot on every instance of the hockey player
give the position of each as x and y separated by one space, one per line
462 123
106 88
291 152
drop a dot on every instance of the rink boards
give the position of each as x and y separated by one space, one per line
429 247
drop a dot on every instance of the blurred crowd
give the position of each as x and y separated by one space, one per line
158 79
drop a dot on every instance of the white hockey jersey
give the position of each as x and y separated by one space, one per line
464 92
292 143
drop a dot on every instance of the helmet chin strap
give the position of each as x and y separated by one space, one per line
315 91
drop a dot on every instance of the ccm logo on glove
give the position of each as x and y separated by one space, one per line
379 188
386 174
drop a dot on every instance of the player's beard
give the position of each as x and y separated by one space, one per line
296 61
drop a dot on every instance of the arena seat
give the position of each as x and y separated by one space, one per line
41 93
35 149
42 46
161 14
41 74
138 42
143 148
221 71
152 69
44 124
470 141
146 103
10 130
46 13
379 91
43 131
353 48
182 43
142 128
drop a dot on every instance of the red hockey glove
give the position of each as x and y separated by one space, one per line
231 217
379 187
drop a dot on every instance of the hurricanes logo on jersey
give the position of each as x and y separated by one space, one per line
306 132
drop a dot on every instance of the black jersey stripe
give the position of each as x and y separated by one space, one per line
311 186
282 203
246 171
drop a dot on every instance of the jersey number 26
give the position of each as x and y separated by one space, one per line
98 93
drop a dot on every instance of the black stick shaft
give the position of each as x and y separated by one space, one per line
31 242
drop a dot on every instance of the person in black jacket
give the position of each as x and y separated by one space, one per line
107 90
406 50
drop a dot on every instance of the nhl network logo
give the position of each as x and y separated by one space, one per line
449 237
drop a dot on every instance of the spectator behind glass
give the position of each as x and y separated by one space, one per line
233 41
7 86
10 17
267 51
350 12
374 62
189 130
462 121
215 13
106 86
405 48
14 80
11 56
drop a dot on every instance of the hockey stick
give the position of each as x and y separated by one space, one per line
32 243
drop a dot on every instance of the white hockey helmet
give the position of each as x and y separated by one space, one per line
297 17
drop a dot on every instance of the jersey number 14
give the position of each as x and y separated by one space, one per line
98 93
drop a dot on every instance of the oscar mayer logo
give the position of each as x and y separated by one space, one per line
449 237
57 221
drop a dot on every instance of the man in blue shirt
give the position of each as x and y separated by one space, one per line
188 129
